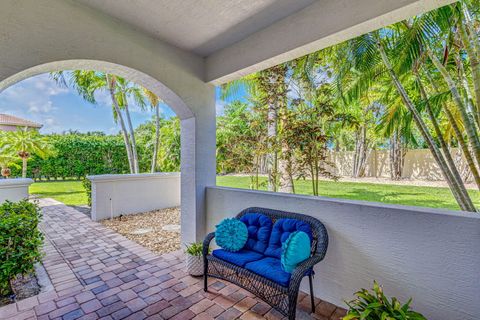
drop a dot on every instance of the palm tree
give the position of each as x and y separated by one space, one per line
87 83
25 142
370 57
125 91
7 160
154 101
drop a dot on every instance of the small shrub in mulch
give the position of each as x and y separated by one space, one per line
20 242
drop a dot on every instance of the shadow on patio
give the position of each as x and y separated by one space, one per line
97 273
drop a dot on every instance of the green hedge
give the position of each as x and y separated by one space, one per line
20 240
77 155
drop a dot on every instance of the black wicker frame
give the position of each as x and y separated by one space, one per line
282 299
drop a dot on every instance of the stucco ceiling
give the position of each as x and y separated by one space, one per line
200 26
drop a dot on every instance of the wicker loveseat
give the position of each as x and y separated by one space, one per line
257 266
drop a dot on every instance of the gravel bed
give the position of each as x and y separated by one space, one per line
157 230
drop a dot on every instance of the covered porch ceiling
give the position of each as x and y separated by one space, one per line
238 37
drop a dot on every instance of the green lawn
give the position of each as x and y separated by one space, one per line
407 195
72 192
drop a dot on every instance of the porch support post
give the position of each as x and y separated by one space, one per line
198 165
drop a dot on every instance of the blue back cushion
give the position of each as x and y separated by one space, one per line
259 229
280 233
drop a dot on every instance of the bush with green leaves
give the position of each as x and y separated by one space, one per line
194 249
376 306
20 240
87 185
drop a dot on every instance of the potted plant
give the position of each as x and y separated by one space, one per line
194 260
376 306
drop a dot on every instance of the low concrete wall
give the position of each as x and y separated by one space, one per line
429 254
115 195
419 164
14 189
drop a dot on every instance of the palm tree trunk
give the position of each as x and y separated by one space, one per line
472 46
463 146
446 151
459 135
468 100
111 89
469 126
475 70
132 137
24 167
157 139
464 203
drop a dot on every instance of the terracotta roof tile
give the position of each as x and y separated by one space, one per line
8 120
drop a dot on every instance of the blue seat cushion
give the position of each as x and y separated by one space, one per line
239 258
259 228
270 268
281 231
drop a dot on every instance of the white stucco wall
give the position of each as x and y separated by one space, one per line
429 254
14 189
48 35
123 194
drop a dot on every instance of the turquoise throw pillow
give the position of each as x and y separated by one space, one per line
231 234
295 250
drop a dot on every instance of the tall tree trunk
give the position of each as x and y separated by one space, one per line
446 151
471 44
272 82
24 167
459 135
111 88
397 156
157 138
361 152
465 203
132 137
470 127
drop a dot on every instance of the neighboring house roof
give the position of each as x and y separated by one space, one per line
8 120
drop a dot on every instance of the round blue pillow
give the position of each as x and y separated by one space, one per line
231 234
295 250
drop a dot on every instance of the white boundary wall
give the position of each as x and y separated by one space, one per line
431 255
123 194
14 189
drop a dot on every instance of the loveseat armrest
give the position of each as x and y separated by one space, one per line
206 243
302 268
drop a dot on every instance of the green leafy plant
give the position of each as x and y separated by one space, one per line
194 249
376 306
87 184
20 240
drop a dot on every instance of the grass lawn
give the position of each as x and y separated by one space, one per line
407 195
72 192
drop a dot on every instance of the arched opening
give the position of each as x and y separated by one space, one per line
191 223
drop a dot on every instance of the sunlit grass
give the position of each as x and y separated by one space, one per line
395 194
73 193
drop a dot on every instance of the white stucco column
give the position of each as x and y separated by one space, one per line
198 171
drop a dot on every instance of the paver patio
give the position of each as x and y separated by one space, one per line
99 274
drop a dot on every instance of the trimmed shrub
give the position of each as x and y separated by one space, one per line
20 240
87 185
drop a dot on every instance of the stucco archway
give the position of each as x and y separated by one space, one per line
192 217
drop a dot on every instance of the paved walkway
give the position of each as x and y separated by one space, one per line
99 274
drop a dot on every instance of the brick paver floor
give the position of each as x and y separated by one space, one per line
99 274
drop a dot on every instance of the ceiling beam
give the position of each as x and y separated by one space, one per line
320 25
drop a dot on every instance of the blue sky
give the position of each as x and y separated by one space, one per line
59 109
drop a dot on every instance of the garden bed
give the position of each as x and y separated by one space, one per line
159 230
23 287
